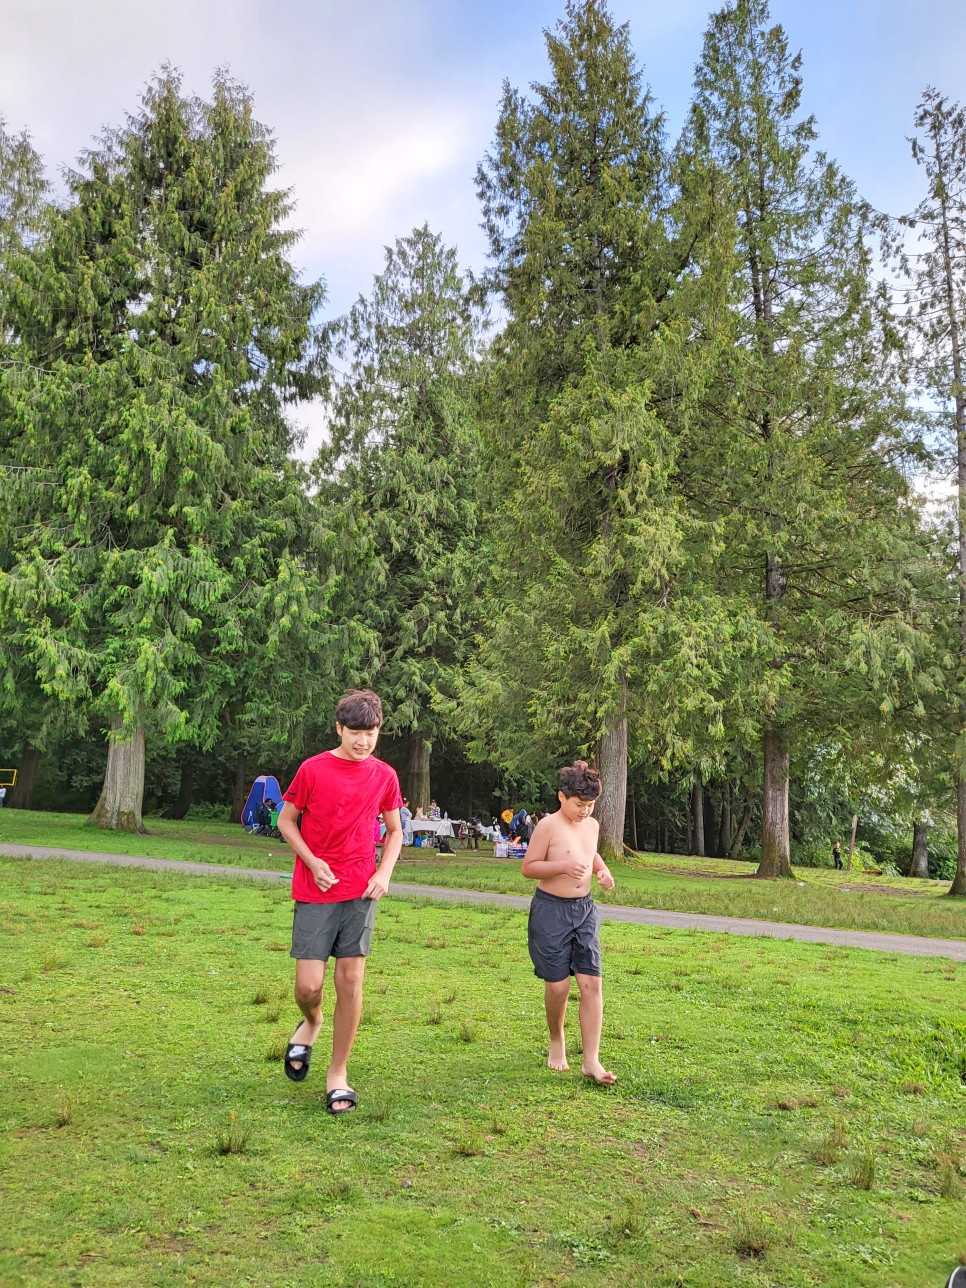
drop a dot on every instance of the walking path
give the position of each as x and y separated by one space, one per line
913 945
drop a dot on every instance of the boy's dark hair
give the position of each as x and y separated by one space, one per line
359 709
580 779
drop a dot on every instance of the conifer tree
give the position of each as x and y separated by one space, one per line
940 319
159 558
23 206
798 457
400 482
572 200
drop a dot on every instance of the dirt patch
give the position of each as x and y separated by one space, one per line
876 889
713 876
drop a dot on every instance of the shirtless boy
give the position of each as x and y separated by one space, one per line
564 928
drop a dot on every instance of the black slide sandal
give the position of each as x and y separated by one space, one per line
297 1051
341 1093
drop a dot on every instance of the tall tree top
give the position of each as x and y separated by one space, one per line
571 187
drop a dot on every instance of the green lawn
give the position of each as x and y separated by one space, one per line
786 1114
672 881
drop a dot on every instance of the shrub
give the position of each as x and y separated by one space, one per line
209 810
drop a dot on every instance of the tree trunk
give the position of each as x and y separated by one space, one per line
119 806
240 791
727 822
186 792
775 849
958 887
920 849
739 836
612 767
18 797
417 774
697 813
632 809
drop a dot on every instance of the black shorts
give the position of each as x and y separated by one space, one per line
323 930
563 936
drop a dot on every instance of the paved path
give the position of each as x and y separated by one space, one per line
913 945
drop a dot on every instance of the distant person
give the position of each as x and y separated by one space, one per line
434 813
406 822
3 797
420 814
336 884
837 855
520 825
564 928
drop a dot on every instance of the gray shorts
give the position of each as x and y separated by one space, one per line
563 936
323 930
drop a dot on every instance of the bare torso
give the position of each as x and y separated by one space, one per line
560 843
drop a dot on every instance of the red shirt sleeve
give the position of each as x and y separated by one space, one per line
393 796
300 790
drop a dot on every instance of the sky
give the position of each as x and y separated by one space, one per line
382 109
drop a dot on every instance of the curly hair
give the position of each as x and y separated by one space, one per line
580 779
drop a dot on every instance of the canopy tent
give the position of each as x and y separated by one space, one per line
265 787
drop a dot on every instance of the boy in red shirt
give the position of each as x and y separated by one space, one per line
336 885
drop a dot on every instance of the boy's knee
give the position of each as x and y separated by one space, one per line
590 984
349 973
308 994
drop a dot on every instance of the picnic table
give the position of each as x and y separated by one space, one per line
439 826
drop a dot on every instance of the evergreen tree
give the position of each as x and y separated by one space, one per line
797 460
574 206
940 318
158 559
23 206
400 479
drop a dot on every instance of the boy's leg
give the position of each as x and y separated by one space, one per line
591 1022
555 994
309 980
349 974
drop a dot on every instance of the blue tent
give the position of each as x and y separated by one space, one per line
265 787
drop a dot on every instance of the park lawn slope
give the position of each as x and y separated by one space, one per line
678 883
785 1113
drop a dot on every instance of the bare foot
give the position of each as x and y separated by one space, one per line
557 1058
305 1035
603 1077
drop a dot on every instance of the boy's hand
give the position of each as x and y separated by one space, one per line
323 874
604 878
579 869
376 888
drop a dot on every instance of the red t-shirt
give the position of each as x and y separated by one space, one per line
339 800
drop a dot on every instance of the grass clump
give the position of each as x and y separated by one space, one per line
232 1137
863 1173
751 1237
64 1114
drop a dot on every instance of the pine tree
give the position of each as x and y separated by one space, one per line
160 555
940 318
401 481
798 459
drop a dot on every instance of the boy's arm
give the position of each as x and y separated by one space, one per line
537 866
603 874
391 849
289 827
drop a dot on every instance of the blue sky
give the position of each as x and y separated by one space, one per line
382 108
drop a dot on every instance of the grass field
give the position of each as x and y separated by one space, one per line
854 901
786 1114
